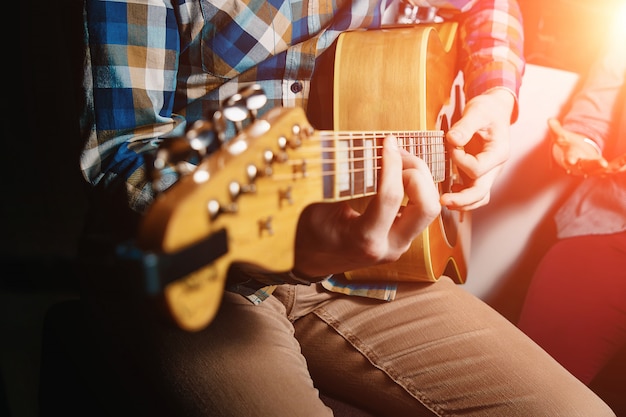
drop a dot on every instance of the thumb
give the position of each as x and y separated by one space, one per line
555 125
460 133
464 129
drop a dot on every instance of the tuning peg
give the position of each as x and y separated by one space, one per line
200 135
235 110
245 103
410 14
173 153
219 123
254 97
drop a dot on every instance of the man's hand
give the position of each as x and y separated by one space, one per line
334 237
480 146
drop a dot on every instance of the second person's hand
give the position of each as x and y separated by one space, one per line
574 152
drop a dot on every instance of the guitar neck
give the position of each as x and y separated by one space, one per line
351 160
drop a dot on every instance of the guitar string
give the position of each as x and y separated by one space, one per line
422 149
303 164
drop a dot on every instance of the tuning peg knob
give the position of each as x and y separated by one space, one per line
235 110
200 135
244 104
219 123
254 97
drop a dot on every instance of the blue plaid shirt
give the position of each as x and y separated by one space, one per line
154 66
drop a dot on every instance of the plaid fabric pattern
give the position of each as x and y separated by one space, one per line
494 61
155 65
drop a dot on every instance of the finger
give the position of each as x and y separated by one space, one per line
582 159
475 195
466 199
422 206
477 115
481 155
556 127
462 131
479 142
587 166
617 165
383 207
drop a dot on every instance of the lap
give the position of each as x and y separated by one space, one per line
436 350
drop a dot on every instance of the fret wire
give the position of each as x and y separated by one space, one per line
357 158
352 166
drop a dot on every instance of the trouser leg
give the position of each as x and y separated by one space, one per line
245 363
436 350
575 307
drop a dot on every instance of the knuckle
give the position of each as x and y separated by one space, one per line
432 209
372 250
391 198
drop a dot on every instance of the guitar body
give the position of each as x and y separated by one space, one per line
404 78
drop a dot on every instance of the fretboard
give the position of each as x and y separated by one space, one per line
352 159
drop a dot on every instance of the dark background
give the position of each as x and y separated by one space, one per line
43 191
43 203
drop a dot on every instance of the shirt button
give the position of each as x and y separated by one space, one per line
296 87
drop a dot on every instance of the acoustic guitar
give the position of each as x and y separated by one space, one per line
251 191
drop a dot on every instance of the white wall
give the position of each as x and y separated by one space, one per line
510 233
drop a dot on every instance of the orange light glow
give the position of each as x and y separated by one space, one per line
619 24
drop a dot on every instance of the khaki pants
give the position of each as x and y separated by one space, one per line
434 351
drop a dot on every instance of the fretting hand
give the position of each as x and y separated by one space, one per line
334 237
